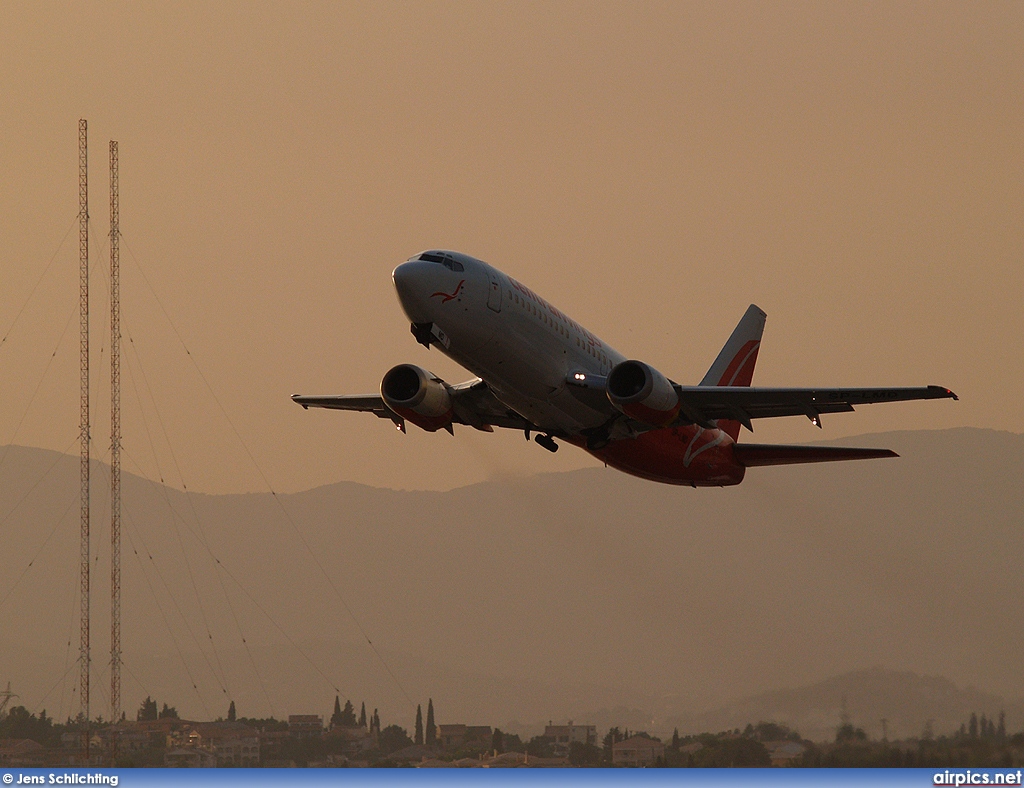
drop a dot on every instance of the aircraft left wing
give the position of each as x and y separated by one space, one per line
703 404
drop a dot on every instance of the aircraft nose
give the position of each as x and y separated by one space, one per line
410 283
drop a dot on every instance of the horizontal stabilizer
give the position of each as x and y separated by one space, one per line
751 454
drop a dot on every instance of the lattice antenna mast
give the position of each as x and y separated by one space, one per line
5 697
83 309
115 446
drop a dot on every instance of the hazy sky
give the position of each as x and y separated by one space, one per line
854 169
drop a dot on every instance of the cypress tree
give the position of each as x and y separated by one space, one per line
336 717
231 712
362 716
419 725
431 727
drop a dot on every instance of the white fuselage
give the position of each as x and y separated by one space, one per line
503 332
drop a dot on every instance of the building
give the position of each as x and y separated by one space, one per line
164 732
479 736
637 751
453 737
785 753
232 743
130 737
354 739
21 752
189 758
412 753
305 726
564 735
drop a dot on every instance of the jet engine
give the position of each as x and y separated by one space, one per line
643 393
419 396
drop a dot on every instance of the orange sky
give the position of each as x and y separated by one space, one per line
854 169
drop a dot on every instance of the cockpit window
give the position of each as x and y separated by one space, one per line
446 260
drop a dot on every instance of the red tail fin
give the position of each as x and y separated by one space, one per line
735 363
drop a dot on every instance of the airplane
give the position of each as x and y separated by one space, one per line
539 371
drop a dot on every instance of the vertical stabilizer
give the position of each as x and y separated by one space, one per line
735 363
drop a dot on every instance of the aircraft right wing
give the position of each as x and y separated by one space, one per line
473 404
369 403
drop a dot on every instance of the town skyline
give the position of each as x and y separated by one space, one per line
160 737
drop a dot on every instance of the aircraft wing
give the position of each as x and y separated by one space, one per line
703 404
370 403
473 404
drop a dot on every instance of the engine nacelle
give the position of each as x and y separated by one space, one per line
643 393
419 396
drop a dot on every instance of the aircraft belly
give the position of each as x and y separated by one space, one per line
688 455
531 383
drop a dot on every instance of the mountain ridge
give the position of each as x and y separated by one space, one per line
585 578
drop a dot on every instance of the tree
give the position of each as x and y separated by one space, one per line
497 741
375 723
231 712
771 731
147 711
733 752
393 738
168 713
614 737
1001 730
675 738
20 724
847 733
512 742
431 739
362 716
541 746
419 725
973 726
348 715
581 754
336 716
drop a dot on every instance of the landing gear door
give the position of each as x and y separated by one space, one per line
494 293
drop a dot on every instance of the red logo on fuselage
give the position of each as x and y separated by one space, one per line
446 297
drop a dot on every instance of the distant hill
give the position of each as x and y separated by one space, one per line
905 700
531 599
